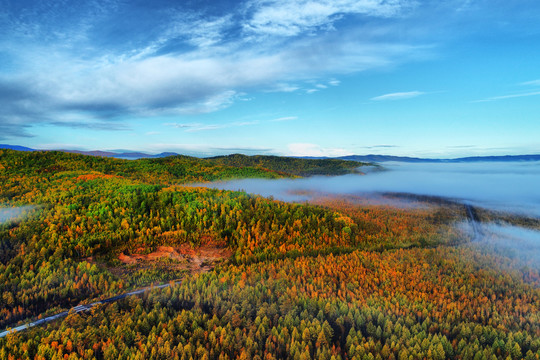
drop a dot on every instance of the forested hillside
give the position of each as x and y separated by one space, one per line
334 280
289 165
172 169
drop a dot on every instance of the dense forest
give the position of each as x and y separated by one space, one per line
171 169
290 165
332 280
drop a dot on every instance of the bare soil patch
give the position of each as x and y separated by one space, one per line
183 257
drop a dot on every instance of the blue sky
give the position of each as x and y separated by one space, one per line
297 77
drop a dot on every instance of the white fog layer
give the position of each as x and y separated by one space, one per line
13 213
509 186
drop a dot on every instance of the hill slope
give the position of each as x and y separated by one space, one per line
291 165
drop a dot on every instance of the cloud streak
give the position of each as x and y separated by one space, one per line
379 147
531 83
314 150
293 17
510 96
398 96
285 118
195 127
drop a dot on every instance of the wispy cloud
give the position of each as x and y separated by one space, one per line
531 83
182 126
285 118
14 130
398 96
313 86
182 84
308 149
462 146
334 82
210 103
293 17
379 147
245 150
206 149
510 96
195 127
283 87
109 126
202 32
207 127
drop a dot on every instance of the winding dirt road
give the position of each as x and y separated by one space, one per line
81 308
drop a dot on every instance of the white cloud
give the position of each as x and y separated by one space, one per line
284 87
285 118
205 33
307 149
182 126
200 83
511 96
398 96
210 104
194 29
213 72
531 83
195 127
206 128
334 82
293 17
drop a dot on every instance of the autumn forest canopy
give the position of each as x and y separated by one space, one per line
260 278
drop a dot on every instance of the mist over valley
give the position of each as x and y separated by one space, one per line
503 186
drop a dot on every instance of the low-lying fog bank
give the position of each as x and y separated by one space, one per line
14 213
510 241
509 187
506 186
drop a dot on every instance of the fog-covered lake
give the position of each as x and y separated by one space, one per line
510 186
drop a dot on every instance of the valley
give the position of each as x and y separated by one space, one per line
341 276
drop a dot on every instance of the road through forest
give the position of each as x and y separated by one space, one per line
81 308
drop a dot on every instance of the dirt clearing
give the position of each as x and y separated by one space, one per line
183 257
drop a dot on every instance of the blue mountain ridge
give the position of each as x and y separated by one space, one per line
362 158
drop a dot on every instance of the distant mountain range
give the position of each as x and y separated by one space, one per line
361 158
385 158
15 147
119 155
122 155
